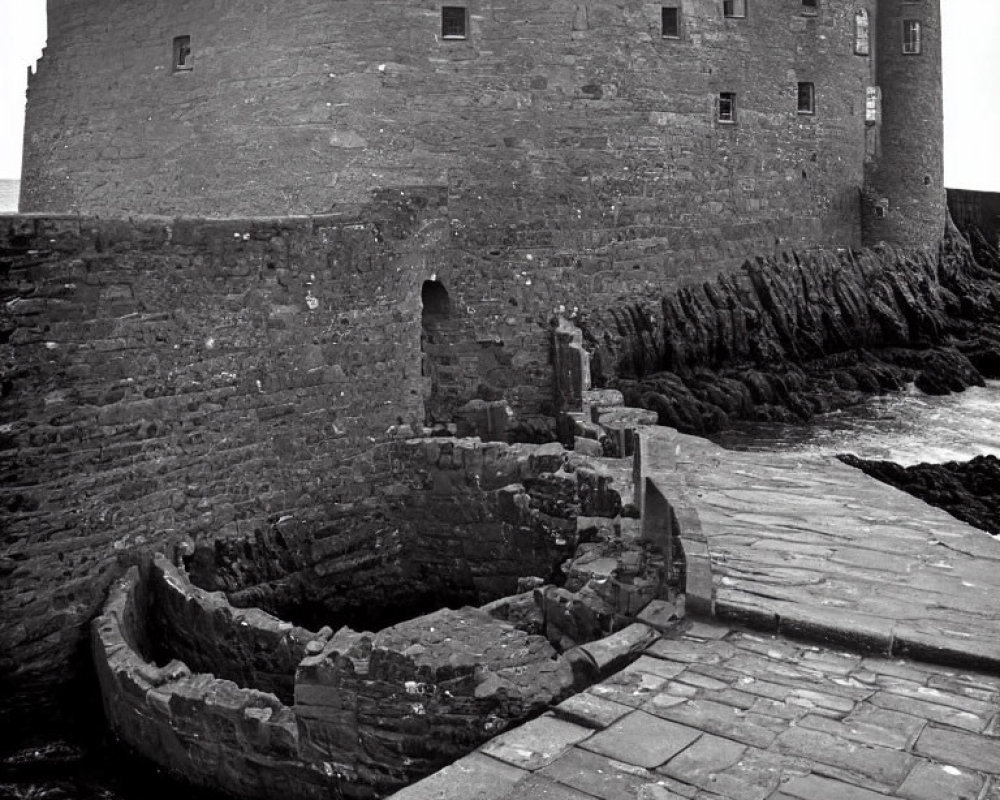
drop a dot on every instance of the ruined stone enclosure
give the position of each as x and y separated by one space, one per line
236 699
239 395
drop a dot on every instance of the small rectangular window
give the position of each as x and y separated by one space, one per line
454 21
862 36
727 107
807 98
873 104
736 9
671 16
810 6
911 36
182 54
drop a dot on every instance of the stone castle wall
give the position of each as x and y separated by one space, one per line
555 128
173 379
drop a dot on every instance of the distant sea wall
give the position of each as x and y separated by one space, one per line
979 210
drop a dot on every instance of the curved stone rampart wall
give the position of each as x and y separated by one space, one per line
247 646
372 713
206 730
553 126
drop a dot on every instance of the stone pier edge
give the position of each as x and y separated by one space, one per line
861 633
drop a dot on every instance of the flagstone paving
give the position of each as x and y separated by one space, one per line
806 545
747 715
849 650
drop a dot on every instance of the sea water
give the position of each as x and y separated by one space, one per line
907 427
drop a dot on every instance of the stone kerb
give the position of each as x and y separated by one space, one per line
245 645
665 513
208 730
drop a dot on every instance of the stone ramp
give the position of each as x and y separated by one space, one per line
737 714
805 545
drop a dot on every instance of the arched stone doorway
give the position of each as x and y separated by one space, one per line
440 344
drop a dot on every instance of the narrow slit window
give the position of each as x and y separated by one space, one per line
671 22
873 104
911 37
807 98
727 107
182 54
734 9
862 33
454 22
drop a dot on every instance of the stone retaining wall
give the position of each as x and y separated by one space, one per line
247 646
206 730
373 712
389 708
167 379
451 521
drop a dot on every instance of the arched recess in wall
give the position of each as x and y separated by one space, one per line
440 350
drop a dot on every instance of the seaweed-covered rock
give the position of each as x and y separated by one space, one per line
968 490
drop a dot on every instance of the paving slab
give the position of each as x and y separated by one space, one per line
536 743
718 718
642 740
863 765
475 777
600 776
538 787
960 749
937 781
755 775
701 763
816 787
898 738
590 711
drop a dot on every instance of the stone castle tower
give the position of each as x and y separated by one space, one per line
671 135
905 197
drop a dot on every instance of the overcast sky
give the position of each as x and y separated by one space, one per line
971 86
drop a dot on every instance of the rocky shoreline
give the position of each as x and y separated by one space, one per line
790 337
969 490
